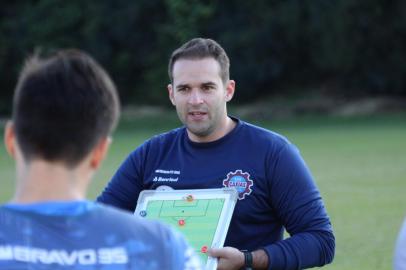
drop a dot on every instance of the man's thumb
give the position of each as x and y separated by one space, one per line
217 252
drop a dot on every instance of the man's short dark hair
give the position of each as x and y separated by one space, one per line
63 105
199 48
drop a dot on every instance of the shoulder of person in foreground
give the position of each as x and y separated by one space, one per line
123 189
157 242
399 260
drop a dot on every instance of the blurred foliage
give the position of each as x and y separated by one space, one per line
347 47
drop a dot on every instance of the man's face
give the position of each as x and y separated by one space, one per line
200 97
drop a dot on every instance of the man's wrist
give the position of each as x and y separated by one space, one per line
257 259
260 259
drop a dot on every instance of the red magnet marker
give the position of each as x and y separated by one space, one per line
204 249
181 222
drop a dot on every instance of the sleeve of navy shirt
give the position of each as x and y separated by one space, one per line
301 210
123 189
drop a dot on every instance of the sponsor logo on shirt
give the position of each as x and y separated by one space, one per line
167 171
34 255
169 176
165 179
241 181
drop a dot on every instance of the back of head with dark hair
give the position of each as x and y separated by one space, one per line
199 48
63 105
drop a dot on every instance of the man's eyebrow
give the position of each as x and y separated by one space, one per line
181 86
209 84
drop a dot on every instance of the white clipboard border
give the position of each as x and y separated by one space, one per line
230 196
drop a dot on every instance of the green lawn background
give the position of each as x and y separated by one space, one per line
359 164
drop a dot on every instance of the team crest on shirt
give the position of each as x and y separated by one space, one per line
241 181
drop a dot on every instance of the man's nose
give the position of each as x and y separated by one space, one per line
195 97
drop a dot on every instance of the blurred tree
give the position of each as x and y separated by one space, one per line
349 47
182 20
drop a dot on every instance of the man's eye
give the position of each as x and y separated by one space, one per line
208 87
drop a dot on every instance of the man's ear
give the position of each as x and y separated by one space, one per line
99 152
10 139
230 89
170 91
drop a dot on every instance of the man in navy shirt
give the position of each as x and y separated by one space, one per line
65 107
213 150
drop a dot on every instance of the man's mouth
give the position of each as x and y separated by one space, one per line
197 115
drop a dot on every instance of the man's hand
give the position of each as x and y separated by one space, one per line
229 258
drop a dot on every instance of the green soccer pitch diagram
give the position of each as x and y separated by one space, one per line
202 215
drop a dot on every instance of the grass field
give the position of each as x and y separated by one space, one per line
358 163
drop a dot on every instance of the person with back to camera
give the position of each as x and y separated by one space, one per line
399 261
65 107
214 150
